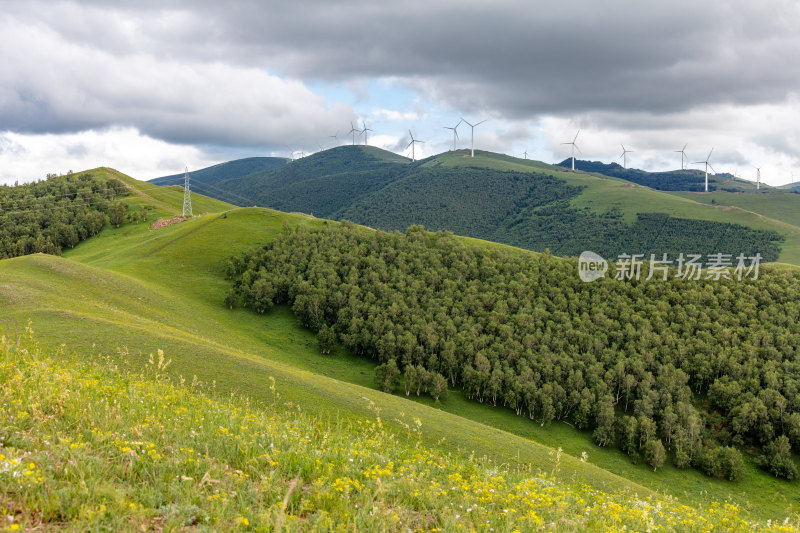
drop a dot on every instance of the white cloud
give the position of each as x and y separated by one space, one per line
743 138
63 86
30 157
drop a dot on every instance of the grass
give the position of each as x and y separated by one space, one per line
138 290
777 212
776 204
89 445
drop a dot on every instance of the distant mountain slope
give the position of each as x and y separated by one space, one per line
222 171
675 180
321 183
776 203
509 200
533 211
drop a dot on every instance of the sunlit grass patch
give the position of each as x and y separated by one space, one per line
93 446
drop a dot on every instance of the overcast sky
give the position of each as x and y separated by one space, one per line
148 86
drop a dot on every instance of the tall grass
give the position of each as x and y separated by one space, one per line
89 445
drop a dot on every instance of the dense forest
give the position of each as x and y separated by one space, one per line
693 371
533 211
59 212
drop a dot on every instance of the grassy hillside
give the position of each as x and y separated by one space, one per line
505 199
675 180
776 204
132 290
222 171
90 446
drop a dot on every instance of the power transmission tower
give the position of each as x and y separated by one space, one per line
187 197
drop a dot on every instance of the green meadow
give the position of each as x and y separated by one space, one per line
133 290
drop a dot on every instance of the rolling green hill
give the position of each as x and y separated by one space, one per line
674 180
90 446
131 291
321 183
223 171
514 201
775 203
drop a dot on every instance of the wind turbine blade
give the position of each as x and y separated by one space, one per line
684 146
709 155
712 168
576 136
467 122
409 144
578 149
482 121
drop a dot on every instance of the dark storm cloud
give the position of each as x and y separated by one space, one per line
515 59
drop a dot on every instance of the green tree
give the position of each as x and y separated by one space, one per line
386 375
116 214
326 339
438 388
777 458
730 463
654 453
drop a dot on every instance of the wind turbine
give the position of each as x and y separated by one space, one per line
455 133
353 130
364 131
758 178
335 137
411 144
526 154
624 156
682 151
574 146
707 165
472 143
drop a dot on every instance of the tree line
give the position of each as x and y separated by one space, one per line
693 371
59 212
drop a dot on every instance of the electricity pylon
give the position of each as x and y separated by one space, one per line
187 197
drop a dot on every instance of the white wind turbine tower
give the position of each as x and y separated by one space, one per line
574 146
758 178
624 156
364 131
473 126
707 165
455 133
411 144
353 131
682 151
